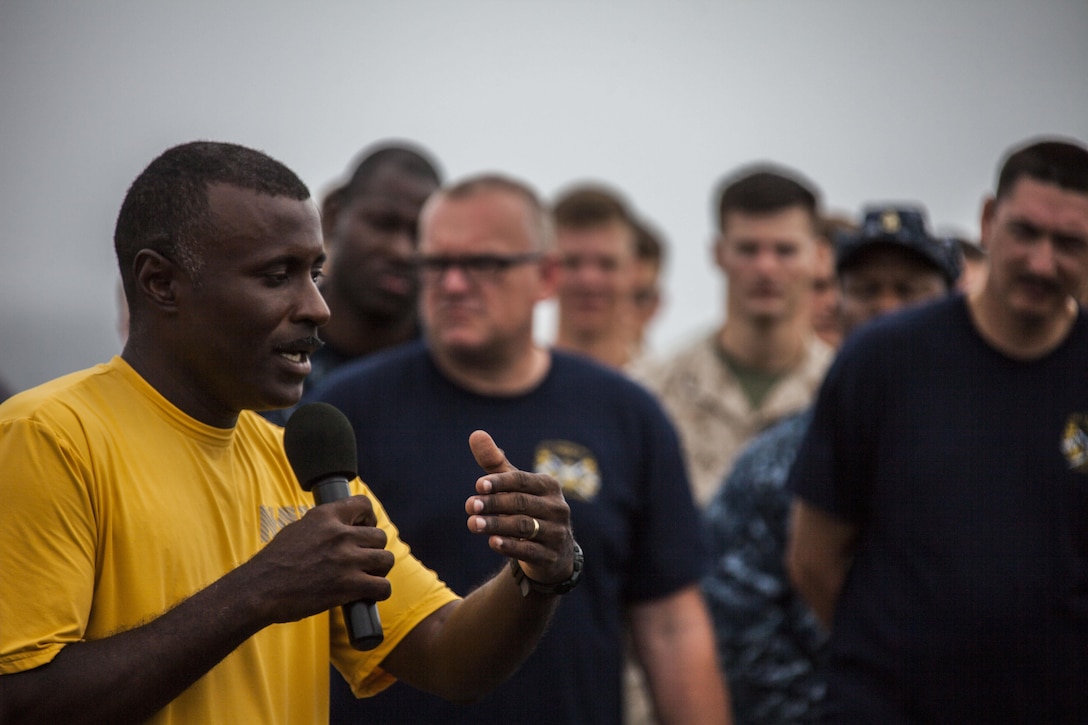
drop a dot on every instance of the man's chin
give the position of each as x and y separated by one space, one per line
284 397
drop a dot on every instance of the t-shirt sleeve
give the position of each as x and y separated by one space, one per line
47 545
834 466
417 592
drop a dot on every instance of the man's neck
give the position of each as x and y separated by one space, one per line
495 375
774 347
1020 339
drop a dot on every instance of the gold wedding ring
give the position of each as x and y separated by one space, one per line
536 530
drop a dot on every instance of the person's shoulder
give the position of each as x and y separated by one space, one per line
766 459
690 353
374 369
253 426
596 376
818 355
573 363
57 398
784 430
898 332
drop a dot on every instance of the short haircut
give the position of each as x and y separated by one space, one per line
540 220
765 189
649 244
1049 160
407 158
589 206
830 226
166 208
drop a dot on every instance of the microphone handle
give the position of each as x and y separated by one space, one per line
361 617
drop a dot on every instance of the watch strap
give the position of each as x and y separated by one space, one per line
529 585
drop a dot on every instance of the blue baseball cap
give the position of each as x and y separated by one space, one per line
901 226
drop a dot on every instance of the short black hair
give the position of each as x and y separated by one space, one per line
407 158
765 188
166 208
1050 160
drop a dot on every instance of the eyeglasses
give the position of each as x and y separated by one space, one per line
475 267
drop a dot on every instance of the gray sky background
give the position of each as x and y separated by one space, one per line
872 100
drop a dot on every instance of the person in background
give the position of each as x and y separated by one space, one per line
769 641
764 361
153 531
370 229
596 240
975 265
650 257
826 321
487 258
942 487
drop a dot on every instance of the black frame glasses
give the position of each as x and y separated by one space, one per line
475 267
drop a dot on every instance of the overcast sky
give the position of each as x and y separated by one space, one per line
872 100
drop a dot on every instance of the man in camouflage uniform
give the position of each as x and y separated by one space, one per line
765 361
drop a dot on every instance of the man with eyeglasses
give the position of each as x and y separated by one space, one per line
938 527
486 260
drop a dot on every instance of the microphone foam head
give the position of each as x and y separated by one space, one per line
319 442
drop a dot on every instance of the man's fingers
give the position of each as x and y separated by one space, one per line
356 511
488 455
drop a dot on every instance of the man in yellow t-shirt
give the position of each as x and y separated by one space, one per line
160 560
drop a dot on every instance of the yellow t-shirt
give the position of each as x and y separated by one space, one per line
117 506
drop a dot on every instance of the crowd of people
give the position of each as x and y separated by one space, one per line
858 498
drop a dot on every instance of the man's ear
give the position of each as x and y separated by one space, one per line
986 223
331 207
549 276
717 251
156 279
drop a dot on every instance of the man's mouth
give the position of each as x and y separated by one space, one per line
299 351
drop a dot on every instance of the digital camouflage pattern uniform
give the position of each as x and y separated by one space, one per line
769 642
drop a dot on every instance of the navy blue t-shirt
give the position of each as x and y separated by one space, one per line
604 438
966 473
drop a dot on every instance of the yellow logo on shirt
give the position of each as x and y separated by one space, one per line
274 518
1075 442
573 465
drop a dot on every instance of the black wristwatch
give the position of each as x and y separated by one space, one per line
528 585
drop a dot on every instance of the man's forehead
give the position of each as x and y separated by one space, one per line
1046 204
239 212
613 233
793 218
393 182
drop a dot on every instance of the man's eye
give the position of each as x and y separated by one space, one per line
1071 244
384 222
484 265
1023 231
317 275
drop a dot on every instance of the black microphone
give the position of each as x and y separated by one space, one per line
320 444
